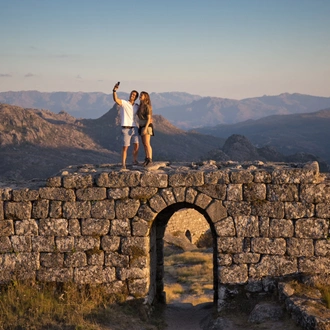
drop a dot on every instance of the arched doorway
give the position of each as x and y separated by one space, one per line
157 232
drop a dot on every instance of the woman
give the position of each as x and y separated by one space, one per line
146 129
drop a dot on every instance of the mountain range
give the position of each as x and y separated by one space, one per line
185 111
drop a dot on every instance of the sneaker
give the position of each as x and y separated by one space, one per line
148 162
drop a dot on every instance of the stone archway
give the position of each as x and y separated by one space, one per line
157 232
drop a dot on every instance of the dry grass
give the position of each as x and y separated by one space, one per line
192 271
67 306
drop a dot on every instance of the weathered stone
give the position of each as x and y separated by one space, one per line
230 245
224 259
134 246
217 191
216 211
55 181
254 191
131 273
140 227
282 193
300 247
191 195
246 226
158 180
323 210
146 213
55 275
296 210
311 193
91 194
322 248
143 193
179 194
120 179
75 259
168 196
202 200
312 228
264 226
6 194
5 245
95 227
265 208
118 193
126 208
114 259
186 179
246 258
40 209
74 228
268 246
78 181
237 208
281 228
17 210
262 176
217 177
241 176
7 228
64 244
157 203
51 260
103 209
225 227
95 257
73 210
109 243
43 244
24 195
237 274
55 209
53 227
83 243
120 227
57 194
234 192
94 274
314 265
273 266
21 243
26 227
138 287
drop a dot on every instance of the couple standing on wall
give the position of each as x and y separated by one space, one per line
129 110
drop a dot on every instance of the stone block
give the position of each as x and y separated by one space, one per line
6 228
75 259
281 228
237 208
230 244
77 181
51 260
270 246
217 191
296 210
241 176
95 227
118 193
40 209
312 228
26 227
234 192
24 195
246 226
91 194
234 274
225 227
300 247
17 210
110 243
216 211
266 208
57 194
64 244
53 227
158 180
126 208
121 227
43 244
254 191
74 210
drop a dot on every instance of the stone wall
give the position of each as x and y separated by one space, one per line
96 224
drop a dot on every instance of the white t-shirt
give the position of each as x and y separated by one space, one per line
127 113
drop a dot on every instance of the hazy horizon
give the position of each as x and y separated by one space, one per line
238 49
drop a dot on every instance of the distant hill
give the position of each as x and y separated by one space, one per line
183 110
289 134
86 105
38 143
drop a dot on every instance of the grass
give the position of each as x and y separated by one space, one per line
188 276
35 306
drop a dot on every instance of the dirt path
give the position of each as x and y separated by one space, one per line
182 316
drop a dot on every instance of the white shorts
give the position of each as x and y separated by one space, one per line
128 134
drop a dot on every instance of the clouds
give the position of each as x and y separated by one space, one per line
5 75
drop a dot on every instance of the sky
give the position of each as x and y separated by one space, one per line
221 48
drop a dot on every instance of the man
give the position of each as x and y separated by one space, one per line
129 128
